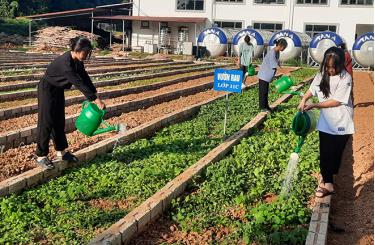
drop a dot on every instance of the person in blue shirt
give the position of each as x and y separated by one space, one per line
268 70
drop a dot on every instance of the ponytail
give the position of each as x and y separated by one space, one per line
247 40
79 44
281 42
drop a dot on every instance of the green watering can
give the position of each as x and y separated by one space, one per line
304 123
90 120
250 70
283 85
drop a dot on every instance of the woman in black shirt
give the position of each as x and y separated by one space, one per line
65 71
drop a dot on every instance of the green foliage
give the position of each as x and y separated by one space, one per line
243 179
14 26
61 211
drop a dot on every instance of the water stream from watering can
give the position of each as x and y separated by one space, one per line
291 173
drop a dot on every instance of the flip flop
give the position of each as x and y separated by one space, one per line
324 192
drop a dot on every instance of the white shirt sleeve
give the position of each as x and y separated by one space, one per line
314 87
342 94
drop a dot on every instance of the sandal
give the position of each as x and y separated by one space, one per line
324 192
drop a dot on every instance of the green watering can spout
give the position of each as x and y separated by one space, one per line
90 120
108 128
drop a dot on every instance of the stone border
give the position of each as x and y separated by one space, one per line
13 139
33 78
18 95
17 111
37 175
318 228
137 220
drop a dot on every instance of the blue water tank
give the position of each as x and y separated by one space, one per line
296 41
363 50
321 42
215 40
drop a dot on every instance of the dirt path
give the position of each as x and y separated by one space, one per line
353 205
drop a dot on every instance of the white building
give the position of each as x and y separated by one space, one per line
348 18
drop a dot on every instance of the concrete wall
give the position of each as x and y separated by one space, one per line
291 15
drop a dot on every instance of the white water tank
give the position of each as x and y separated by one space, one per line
215 40
296 41
321 42
259 39
363 50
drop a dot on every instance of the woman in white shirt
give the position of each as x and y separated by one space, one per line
332 85
246 57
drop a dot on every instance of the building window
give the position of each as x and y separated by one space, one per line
357 2
269 1
229 1
145 24
190 5
229 24
313 29
323 2
273 27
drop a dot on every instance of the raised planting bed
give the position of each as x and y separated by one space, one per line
88 63
28 135
15 86
19 77
237 200
20 159
31 92
74 97
88 199
22 107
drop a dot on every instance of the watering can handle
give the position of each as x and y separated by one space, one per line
85 103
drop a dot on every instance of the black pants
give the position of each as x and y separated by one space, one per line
51 118
331 149
244 70
263 94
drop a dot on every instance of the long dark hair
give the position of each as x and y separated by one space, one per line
79 44
247 40
338 56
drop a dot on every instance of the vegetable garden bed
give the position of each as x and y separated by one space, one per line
236 200
86 200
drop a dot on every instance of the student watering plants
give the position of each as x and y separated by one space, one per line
245 57
267 72
65 71
332 86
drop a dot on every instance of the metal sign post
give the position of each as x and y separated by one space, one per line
229 81
226 112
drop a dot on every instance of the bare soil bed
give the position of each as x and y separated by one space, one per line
352 213
28 120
